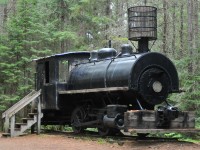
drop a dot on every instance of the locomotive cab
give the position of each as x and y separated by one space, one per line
51 76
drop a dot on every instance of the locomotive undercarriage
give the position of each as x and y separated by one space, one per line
117 117
94 112
107 115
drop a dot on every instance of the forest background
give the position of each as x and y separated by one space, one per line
31 29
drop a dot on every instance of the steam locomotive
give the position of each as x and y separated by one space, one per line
112 90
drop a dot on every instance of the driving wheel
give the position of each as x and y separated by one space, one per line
77 118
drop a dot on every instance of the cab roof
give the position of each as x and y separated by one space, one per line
66 54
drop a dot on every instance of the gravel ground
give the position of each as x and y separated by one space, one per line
63 142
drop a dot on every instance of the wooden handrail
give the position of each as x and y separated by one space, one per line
21 104
15 105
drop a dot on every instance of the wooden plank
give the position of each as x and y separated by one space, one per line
18 106
185 120
6 134
12 126
39 116
26 102
143 119
109 89
146 119
6 124
163 130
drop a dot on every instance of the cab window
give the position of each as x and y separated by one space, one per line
63 70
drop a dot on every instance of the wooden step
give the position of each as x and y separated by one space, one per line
16 129
23 134
25 120
18 125
5 134
32 114
35 110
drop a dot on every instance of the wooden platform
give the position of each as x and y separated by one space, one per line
145 121
163 130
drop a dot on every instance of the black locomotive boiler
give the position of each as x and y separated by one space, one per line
112 90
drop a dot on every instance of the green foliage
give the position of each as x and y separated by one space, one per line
194 138
173 135
101 141
67 129
189 99
101 20
197 122
16 53
92 129
3 1
64 35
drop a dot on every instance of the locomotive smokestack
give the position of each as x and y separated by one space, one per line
143 45
142 26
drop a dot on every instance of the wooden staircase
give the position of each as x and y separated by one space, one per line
13 129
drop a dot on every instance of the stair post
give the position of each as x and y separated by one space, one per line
12 126
38 115
6 124
33 106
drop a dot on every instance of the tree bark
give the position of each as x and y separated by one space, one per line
165 27
181 30
190 35
108 11
195 23
174 29
196 35
62 19
5 12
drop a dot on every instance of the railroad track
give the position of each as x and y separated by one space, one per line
120 139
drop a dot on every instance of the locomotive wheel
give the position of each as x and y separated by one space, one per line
77 118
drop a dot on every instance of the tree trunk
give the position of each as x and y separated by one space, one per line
195 23
181 30
5 12
190 35
174 29
196 34
62 23
108 11
165 27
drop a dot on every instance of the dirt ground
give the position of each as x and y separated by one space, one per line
64 142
